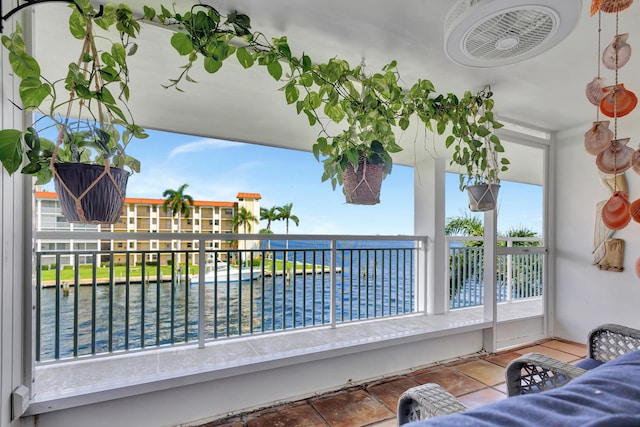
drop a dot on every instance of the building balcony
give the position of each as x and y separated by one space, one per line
367 320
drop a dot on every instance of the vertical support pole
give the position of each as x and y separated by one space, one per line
489 279
333 292
509 273
202 269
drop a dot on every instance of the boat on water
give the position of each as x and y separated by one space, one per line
221 272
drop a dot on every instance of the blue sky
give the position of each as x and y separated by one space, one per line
219 170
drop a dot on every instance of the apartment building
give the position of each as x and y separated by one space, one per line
144 215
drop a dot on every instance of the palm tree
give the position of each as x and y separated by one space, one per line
179 204
269 215
284 213
243 218
523 231
467 225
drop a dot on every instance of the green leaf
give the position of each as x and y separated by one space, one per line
244 57
107 59
77 25
105 96
182 43
482 131
211 65
450 140
291 93
24 65
334 112
33 92
149 13
119 53
311 117
306 79
10 149
306 63
275 69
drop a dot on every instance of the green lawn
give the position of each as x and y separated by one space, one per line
121 272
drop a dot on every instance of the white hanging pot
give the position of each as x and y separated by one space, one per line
482 197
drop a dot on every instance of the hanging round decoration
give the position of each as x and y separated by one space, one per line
618 101
634 210
595 6
598 138
615 213
616 158
594 90
638 268
617 54
614 6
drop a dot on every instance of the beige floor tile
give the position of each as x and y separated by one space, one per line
481 397
483 371
352 408
551 352
579 350
449 379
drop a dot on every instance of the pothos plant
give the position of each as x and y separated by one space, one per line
476 147
371 107
86 105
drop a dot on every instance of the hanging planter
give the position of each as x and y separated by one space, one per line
88 108
90 193
361 186
482 197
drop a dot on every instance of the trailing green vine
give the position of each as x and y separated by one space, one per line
372 106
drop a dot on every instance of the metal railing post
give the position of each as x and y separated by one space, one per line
202 266
509 273
334 293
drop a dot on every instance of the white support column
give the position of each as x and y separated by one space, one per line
429 219
489 278
16 252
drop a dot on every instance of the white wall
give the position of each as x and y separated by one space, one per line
586 296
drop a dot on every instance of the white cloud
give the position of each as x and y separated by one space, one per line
202 145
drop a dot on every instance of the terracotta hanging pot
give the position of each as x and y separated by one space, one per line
617 54
613 6
618 101
598 138
615 213
634 210
362 185
594 90
638 268
616 158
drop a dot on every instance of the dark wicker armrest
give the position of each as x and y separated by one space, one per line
534 372
606 342
426 401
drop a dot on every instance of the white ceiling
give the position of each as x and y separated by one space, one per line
545 92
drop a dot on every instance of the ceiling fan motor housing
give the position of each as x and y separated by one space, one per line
494 33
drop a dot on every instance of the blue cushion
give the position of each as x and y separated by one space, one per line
603 397
588 364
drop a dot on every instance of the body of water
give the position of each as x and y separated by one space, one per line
371 282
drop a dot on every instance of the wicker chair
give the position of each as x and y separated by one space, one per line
533 372
426 401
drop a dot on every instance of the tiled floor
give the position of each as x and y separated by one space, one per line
475 381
